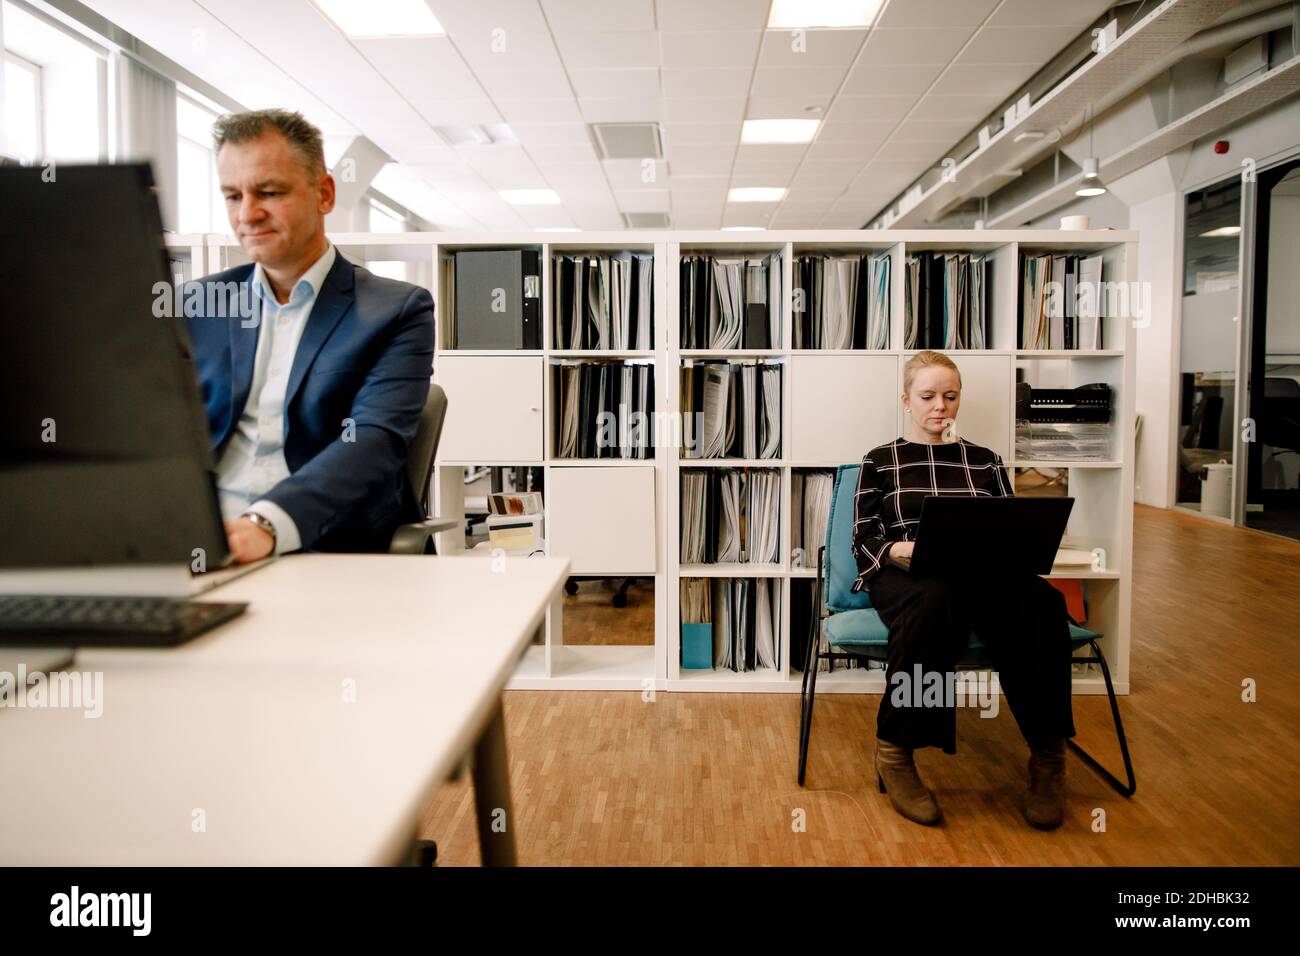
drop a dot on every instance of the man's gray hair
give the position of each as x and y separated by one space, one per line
303 138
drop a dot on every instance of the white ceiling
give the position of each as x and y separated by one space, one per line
892 98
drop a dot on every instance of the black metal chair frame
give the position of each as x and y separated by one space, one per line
813 656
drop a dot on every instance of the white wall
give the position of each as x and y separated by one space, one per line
1283 332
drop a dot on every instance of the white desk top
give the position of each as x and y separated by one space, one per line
250 723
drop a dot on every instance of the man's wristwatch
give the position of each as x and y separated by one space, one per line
262 522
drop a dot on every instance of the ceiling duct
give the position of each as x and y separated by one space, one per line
628 140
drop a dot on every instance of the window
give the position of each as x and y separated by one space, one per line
200 208
384 218
22 108
55 90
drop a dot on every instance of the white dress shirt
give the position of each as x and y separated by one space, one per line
253 462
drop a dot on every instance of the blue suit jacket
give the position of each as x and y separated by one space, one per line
366 354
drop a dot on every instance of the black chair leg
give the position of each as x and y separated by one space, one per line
1126 790
806 711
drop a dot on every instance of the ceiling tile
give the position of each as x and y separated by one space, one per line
552 134
1000 80
791 49
717 49
896 78
788 107
697 133
612 84
1076 13
704 109
970 108
842 150
926 13
622 50
423 68
1032 45
887 47
772 153
540 111
625 174
874 109
640 109
525 84
853 131
581 16
688 83
449 112
813 81
546 155
713 15
642 200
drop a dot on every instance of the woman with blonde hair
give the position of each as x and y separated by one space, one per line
1019 617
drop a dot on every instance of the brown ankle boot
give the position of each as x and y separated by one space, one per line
1045 802
896 775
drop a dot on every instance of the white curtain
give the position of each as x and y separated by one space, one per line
146 127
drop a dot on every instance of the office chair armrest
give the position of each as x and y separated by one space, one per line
417 537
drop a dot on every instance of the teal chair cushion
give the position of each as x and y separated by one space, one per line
851 631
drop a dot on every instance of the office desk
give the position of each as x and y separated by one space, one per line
310 730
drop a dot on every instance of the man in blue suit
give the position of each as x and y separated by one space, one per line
314 386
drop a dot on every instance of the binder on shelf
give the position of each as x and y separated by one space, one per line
603 409
497 299
841 302
732 409
1060 302
730 302
603 301
810 509
947 301
743 616
730 516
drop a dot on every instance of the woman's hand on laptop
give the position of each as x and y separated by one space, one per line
900 552
247 541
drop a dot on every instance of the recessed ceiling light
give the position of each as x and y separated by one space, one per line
381 18
1222 232
822 14
779 130
756 194
531 197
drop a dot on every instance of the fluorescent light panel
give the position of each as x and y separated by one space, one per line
822 14
381 18
779 130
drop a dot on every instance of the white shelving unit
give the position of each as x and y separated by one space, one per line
836 405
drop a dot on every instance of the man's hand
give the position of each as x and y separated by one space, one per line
900 552
247 541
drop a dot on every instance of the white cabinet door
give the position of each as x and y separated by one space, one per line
602 519
494 408
987 411
841 406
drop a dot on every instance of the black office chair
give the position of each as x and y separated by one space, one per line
418 536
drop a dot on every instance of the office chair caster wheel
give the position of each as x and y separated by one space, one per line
426 853
620 600
570 587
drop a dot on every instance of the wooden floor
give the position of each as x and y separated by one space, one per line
709 779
